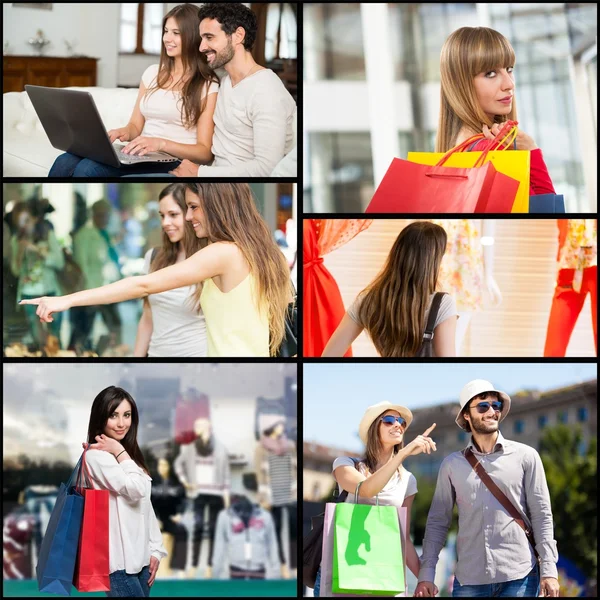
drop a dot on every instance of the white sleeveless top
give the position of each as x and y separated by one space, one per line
177 328
162 111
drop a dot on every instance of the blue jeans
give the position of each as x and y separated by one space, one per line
70 165
124 585
317 590
528 587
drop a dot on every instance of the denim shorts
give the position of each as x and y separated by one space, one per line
527 587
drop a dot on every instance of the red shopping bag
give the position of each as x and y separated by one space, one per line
414 188
92 566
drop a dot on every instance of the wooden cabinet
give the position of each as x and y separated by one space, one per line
49 71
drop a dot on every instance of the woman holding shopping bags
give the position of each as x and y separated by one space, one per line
381 473
394 308
115 463
477 96
246 286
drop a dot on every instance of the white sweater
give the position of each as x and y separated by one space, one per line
134 534
254 127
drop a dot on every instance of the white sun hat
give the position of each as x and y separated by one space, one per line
472 389
377 409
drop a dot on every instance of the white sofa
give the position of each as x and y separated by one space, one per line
27 149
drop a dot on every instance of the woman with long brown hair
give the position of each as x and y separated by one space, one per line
477 95
380 477
246 287
393 309
174 109
116 463
172 322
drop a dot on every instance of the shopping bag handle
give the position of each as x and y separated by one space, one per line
356 494
82 470
509 128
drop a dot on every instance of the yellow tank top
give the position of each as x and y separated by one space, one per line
234 325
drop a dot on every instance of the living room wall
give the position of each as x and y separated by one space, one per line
93 25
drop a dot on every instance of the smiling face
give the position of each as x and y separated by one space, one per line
215 44
487 422
195 214
390 435
495 90
171 219
119 422
172 38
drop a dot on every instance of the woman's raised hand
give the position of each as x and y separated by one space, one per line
524 142
108 444
46 305
422 443
121 134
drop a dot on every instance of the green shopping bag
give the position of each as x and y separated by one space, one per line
367 551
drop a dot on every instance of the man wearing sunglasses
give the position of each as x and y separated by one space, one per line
495 556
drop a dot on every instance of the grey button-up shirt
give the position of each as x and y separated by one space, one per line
491 547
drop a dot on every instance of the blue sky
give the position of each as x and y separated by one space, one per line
336 395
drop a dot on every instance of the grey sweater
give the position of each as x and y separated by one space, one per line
253 547
217 464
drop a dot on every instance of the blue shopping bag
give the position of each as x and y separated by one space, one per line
58 552
547 203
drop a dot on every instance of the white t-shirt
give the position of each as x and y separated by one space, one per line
395 491
178 329
162 111
134 534
254 127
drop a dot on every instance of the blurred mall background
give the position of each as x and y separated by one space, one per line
356 56
133 228
46 412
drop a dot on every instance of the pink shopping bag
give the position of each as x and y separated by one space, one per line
327 558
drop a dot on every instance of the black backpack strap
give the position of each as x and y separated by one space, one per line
433 313
342 497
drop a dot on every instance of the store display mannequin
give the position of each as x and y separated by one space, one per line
203 469
577 277
275 463
468 269
168 501
245 542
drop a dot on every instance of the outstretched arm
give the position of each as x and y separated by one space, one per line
208 262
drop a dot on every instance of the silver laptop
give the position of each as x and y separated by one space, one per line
72 123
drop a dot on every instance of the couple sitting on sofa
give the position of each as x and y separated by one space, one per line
240 126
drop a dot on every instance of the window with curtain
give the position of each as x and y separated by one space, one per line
141 28
281 32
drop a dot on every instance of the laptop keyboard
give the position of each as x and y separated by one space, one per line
130 157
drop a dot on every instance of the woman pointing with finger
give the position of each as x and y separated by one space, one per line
382 473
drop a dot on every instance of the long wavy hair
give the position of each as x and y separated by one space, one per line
466 53
194 62
231 216
166 255
374 447
393 306
105 403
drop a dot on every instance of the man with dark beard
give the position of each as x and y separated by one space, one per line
495 555
203 468
255 114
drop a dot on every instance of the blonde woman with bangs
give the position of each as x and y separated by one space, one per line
478 95
245 280
393 309
380 477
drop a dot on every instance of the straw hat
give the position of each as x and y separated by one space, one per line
472 389
377 409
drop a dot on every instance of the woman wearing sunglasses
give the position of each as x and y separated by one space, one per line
381 471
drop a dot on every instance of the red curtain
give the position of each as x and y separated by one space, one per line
323 308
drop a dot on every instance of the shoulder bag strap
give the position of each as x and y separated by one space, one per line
433 313
500 496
